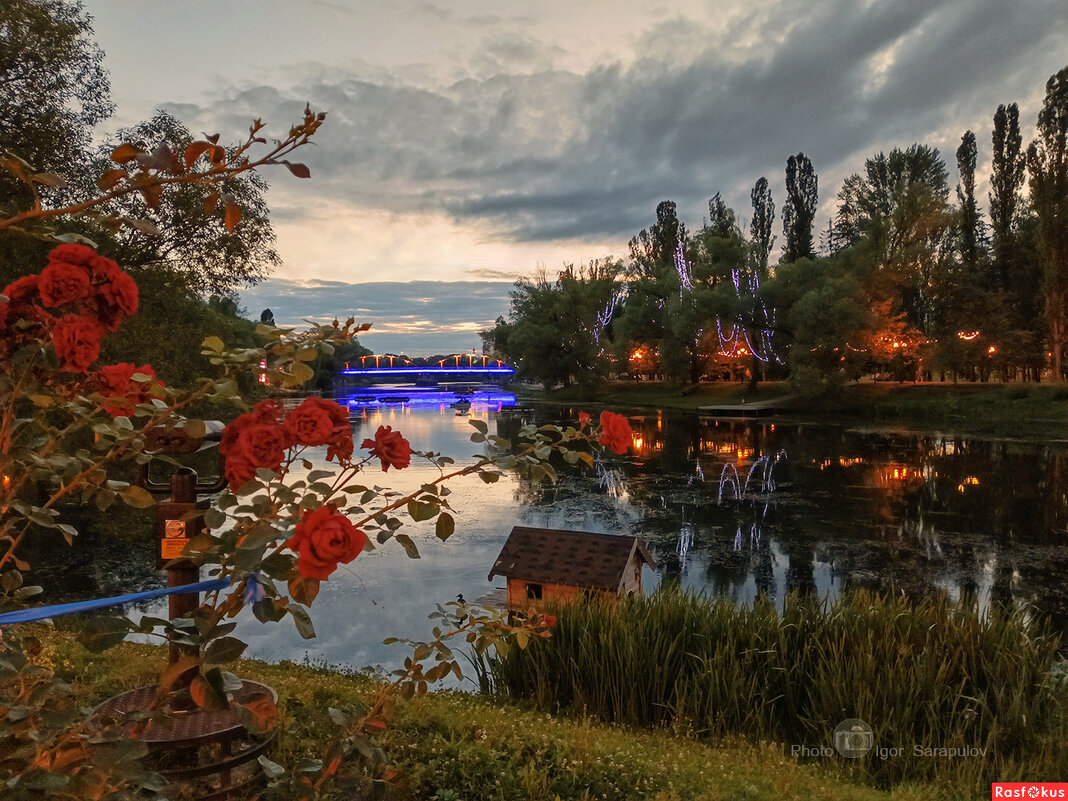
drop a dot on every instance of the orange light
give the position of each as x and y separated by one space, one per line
991 349
262 378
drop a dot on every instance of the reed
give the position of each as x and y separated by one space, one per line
924 674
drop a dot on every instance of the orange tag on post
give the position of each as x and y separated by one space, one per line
174 539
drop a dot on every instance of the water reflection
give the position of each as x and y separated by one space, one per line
737 508
728 508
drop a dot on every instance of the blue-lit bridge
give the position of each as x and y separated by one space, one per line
461 369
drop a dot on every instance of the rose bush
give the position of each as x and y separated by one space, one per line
280 528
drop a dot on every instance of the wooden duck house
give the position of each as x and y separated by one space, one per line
544 564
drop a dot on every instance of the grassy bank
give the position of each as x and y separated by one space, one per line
921 674
455 747
983 408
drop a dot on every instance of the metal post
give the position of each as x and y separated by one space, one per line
179 573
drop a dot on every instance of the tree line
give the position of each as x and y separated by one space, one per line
909 279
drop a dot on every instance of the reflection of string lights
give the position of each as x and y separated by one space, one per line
901 473
970 481
967 336
841 461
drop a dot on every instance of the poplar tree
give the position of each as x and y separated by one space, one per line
1047 163
799 210
760 228
1006 180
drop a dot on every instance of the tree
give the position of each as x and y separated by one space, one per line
653 249
721 218
799 211
1006 180
553 331
267 317
971 222
192 238
900 206
53 89
1047 164
760 228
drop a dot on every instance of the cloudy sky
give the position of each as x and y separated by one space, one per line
471 140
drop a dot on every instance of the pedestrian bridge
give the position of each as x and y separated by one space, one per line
457 370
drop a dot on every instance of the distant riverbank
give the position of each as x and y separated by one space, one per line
1002 409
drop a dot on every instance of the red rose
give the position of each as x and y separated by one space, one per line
262 412
21 290
616 432
584 420
80 255
264 445
253 440
322 422
123 394
63 283
238 471
324 539
117 296
389 446
77 342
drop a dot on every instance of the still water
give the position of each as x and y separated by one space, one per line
728 508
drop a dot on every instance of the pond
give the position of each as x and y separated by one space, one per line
728 508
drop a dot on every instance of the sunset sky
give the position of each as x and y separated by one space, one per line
471 141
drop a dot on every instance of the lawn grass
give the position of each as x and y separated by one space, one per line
459 747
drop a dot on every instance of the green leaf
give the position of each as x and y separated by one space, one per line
137 497
100 632
194 428
223 650
213 343
409 546
421 511
302 620
445 526
302 373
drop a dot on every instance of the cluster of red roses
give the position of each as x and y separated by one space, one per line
324 538
261 437
616 432
92 293
92 296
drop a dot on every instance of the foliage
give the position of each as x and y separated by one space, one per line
55 89
1047 163
555 330
192 241
924 673
799 211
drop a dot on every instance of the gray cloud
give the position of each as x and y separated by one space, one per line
527 153
417 317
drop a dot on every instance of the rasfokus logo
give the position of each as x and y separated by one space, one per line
1029 790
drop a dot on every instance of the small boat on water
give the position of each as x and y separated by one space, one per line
463 404
394 399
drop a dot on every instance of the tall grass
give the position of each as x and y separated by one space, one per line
924 674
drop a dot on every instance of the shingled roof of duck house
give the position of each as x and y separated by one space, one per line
575 558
